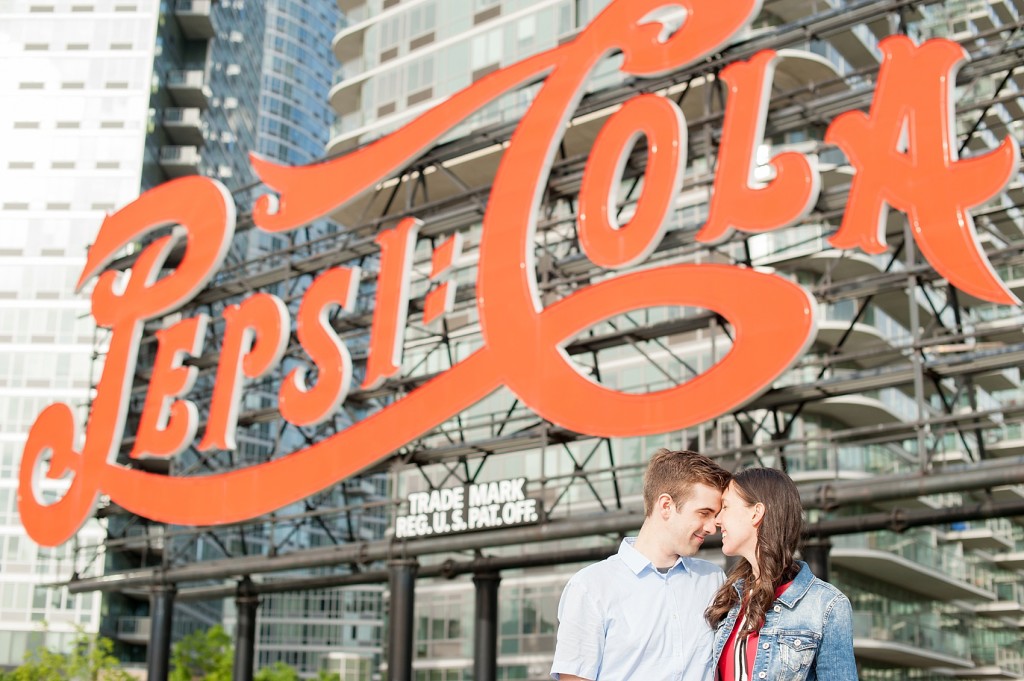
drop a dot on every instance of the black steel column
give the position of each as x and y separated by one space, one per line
161 615
246 603
402 583
485 627
815 552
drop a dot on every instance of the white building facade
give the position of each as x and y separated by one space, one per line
75 83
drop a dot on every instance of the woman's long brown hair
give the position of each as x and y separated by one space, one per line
777 539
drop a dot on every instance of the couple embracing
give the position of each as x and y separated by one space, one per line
652 612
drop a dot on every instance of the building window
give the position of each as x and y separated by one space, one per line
422 22
486 54
390 34
420 80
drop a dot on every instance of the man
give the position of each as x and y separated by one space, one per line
640 614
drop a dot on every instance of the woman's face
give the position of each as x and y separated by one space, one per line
736 521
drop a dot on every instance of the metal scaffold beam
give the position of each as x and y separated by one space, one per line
962 479
896 520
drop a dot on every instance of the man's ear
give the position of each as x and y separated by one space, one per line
665 505
758 510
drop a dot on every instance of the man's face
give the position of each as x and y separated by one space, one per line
695 520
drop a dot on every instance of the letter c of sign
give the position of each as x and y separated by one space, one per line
771 330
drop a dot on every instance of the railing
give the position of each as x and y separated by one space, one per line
1001 528
845 311
188 115
1010 591
872 459
998 655
944 560
1010 272
910 630
350 69
133 627
186 78
1009 660
896 401
194 6
179 154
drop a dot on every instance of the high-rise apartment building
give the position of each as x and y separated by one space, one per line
934 602
203 112
75 83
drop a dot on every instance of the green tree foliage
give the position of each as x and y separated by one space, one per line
279 671
205 655
328 676
91 659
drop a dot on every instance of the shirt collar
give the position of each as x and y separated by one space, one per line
638 562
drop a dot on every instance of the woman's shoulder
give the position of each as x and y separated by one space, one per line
827 593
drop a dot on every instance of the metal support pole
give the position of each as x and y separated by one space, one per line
246 603
485 627
922 430
161 614
815 552
402 583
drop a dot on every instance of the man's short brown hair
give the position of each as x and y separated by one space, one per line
676 472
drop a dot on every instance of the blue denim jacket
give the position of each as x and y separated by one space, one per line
807 633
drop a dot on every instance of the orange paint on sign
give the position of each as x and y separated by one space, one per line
524 342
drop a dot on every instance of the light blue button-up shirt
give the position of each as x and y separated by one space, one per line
621 619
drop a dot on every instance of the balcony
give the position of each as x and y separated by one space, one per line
906 641
1009 602
346 96
1009 441
1012 560
912 565
140 539
847 462
195 19
868 408
993 535
994 662
133 630
349 6
1005 379
179 161
188 88
359 487
349 44
1013 275
858 45
873 329
184 126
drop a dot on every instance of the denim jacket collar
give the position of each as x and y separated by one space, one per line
796 591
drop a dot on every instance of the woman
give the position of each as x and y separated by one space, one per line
774 620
